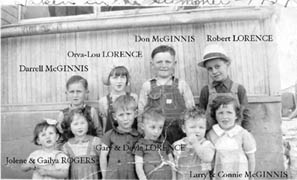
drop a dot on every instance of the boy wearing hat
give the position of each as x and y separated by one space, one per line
216 62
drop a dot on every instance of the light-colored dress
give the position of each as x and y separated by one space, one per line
231 149
48 160
189 164
84 158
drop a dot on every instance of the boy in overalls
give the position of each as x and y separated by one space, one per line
166 92
216 62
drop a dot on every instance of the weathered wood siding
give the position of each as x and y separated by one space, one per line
9 15
29 96
250 60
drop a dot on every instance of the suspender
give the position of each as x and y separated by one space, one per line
233 90
174 82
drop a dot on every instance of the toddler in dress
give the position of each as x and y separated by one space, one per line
83 145
235 146
47 162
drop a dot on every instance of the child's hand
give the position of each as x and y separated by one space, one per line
193 139
42 171
31 166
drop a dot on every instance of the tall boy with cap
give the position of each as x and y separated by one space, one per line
216 62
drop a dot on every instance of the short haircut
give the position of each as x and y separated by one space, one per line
153 114
77 79
225 100
161 49
124 102
193 113
119 71
66 124
40 127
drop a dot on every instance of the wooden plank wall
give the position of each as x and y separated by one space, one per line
9 15
249 60
29 96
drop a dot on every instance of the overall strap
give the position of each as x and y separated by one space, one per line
69 150
109 120
175 82
90 144
234 88
153 83
211 89
87 108
66 110
109 103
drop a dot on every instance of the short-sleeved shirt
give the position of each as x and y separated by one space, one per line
183 87
121 163
188 162
153 154
94 116
231 149
42 158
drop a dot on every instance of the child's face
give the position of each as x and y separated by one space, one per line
48 137
164 64
125 119
153 129
226 116
195 127
217 69
79 125
118 83
77 93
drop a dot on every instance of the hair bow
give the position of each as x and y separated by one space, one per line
51 121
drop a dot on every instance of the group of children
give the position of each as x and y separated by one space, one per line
161 135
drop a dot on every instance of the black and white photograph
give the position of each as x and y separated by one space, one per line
149 89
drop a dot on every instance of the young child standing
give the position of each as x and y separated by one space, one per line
83 146
216 62
118 79
235 146
77 91
116 158
153 154
193 153
46 135
167 92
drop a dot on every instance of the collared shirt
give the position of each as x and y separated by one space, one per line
121 144
222 87
121 163
237 133
183 88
